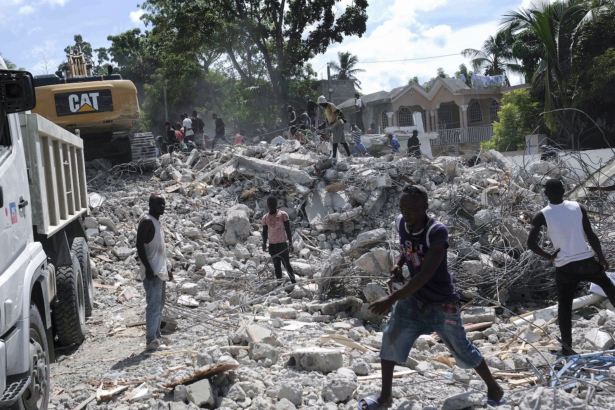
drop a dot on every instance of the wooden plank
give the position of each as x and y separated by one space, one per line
396 375
528 380
60 180
343 340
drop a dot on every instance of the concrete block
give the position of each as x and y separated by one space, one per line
200 393
317 359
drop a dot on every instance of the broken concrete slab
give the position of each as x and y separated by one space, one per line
317 359
254 166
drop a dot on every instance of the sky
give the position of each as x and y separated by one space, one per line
34 33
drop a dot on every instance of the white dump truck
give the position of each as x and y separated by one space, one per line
46 288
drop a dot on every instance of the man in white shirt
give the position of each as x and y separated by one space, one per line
568 226
358 105
187 124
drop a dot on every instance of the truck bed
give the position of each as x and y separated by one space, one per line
54 158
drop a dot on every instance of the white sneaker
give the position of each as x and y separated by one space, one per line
165 340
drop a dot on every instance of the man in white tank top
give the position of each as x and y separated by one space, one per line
568 226
153 270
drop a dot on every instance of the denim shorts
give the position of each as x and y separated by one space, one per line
411 318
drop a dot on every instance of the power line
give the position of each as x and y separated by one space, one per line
409 59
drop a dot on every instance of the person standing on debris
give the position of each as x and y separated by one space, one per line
372 129
335 120
312 111
356 140
179 135
427 302
414 145
219 124
276 229
171 139
188 131
153 270
568 226
198 126
239 137
394 143
358 105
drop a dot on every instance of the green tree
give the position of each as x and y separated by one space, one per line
275 29
468 74
345 68
556 28
414 79
495 57
517 118
441 73
132 54
11 66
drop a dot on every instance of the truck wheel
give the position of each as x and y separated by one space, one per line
82 252
69 312
36 395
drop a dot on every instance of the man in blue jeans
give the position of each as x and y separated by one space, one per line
153 270
426 303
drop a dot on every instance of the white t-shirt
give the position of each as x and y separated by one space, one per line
187 123
358 104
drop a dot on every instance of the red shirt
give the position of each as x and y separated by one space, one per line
275 223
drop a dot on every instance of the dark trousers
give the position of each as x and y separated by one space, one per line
345 146
279 253
216 138
567 278
359 121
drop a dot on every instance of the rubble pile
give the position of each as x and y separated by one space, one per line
242 342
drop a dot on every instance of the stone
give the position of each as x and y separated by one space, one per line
478 315
260 351
189 289
373 292
360 367
123 252
262 334
283 313
338 387
474 268
410 405
376 262
200 260
290 390
463 401
180 394
600 339
108 223
483 217
90 223
201 393
285 404
237 224
305 253
109 240
241 252
543 398
317 359
371 238
128 293
495 362
424 367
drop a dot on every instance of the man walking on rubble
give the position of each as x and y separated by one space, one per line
153 270
276 229
568 226
334 119
426 303
414 145
198 126
219 124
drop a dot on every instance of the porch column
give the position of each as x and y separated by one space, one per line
437 119
463 112
390 115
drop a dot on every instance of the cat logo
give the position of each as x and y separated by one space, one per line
86 102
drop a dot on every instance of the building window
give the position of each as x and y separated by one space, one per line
475 114
494 110
405 118
445 116
385 120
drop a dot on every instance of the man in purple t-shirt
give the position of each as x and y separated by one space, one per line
427 302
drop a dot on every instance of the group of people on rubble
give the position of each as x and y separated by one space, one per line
334 121
190 131
423 300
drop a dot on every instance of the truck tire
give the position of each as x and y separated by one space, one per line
36 395
69 311
82 252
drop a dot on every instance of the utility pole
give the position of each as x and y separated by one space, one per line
329 81
166 112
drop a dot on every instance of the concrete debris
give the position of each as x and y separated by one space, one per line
315 345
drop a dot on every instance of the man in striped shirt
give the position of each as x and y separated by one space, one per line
356 139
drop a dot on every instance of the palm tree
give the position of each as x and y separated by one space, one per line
345 69
555 28
495 57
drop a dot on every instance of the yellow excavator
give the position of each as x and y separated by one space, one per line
103 108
